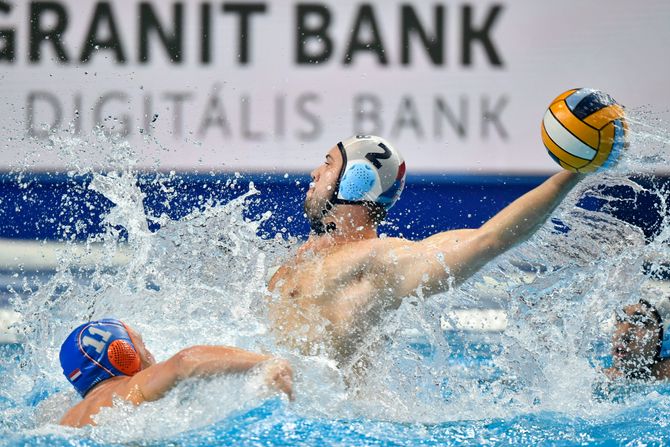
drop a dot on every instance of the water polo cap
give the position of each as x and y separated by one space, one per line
97 351
662 309
373 171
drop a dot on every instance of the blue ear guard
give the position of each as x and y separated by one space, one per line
357 181
661 308
84 354
665 343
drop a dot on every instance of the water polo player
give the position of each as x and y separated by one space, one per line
641 342
345 278
105 358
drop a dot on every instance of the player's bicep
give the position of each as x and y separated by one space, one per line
434 264
463 252
152 383
412 268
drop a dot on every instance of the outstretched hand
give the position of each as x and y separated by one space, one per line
278 374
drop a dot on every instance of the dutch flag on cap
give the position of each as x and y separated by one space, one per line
74 375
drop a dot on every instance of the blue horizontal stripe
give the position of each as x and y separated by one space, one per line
430 203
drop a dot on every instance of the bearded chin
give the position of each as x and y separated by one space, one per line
315 214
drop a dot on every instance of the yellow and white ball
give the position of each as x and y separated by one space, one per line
584 129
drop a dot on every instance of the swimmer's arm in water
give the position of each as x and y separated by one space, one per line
204 361
454 256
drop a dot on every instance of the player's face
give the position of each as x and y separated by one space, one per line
146 357
635 339
324 178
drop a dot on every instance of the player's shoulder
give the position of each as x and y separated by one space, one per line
390 242
384 250
80 414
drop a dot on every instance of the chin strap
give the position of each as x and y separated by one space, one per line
318 227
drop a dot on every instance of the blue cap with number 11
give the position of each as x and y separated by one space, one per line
97 351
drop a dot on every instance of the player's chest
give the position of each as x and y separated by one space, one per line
315 279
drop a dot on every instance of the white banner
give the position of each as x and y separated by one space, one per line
272 85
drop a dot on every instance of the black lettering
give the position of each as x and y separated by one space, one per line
313 118
246 116
407 117
53 35
367 108
103 14
205 33
148 114
481 35
44 128
459 125
314 35
434 44
280 116
365 20
172 42
214 115
77 113
374 157
177 99
7 37
244 10
111 128
492 116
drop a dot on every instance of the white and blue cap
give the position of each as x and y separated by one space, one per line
373 172
662 310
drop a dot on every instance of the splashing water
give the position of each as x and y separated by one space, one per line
201 280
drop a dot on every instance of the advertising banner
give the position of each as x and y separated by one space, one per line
458 87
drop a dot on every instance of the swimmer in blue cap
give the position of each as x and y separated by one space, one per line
641 342
105 358
345 279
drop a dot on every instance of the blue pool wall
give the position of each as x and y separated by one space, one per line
57 206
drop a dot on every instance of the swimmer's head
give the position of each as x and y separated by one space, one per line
641 337
99 350
362 170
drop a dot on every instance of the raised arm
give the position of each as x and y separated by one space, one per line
454 256
204 361
521 218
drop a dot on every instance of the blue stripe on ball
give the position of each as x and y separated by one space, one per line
617 146
577 96
592 103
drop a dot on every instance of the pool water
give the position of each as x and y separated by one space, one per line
201 280
637 415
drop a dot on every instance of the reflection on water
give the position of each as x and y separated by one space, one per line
201 280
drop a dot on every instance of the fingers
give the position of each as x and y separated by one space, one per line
279 375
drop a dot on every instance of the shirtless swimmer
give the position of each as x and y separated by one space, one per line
105 358
345 278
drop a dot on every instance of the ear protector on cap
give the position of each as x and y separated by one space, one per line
663 308
97 351
373 171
